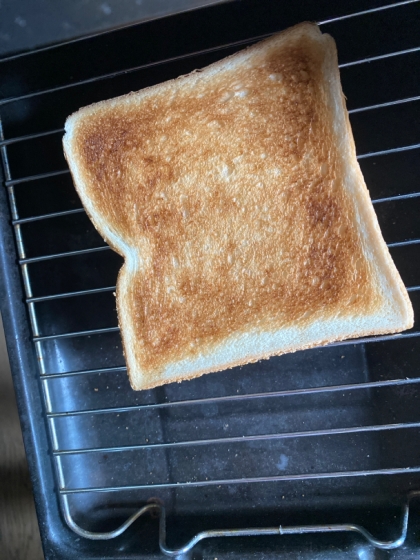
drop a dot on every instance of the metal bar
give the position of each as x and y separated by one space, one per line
12 200
36 177
242 439
413 289
396 197
242 532
382 105
47 216
390 151
60 255
369 11
5 162
245 480
230 398
403 244
83 372
30 136
18 234
76 333
71 294
379 57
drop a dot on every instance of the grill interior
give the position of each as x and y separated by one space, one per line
325 435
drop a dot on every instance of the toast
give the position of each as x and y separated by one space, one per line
235 197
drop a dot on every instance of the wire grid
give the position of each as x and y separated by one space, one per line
39 339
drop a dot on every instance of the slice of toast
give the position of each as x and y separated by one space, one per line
235 197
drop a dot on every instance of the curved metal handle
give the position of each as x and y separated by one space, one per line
253 531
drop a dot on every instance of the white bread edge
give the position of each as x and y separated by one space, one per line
252 346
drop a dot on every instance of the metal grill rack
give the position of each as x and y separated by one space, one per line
326 435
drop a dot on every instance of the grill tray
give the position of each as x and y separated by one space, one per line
328 435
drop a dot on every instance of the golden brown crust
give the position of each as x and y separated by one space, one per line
230 192
253 359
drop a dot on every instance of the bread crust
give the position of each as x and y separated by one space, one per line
235 197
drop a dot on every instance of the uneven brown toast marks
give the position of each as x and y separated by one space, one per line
233 198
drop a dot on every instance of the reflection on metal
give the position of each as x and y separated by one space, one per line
247 532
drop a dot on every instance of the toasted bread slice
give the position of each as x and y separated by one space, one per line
235 197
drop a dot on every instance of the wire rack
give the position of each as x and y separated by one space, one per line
328 422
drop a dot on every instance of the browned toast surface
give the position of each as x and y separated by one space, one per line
227 185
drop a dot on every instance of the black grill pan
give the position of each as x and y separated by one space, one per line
299 455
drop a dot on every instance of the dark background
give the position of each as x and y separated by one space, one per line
27 24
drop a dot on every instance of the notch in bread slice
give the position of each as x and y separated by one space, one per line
235 197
